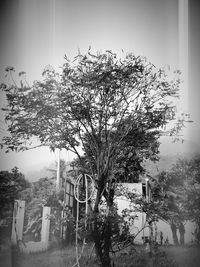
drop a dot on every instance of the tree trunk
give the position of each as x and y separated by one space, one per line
182 234
102 231
102 240
106 244
174 233
197 232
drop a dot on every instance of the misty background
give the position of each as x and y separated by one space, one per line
37 33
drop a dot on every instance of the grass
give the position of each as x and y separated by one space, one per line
184 256
55 257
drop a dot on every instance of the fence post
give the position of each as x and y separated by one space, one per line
45 224
18 221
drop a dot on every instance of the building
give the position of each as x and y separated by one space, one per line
140 227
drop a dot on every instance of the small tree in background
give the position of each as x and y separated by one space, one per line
188 171
177 192
11 184
170 202
109 107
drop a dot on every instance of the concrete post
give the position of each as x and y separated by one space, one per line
45 224
58 181
18 221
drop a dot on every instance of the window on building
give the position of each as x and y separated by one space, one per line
69 195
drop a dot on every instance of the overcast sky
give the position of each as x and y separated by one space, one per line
35 33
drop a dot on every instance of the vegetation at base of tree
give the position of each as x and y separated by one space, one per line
113 108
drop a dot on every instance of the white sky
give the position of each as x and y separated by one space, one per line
35 33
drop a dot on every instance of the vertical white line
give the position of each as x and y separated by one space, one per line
53 29
86 198
183 50
147 189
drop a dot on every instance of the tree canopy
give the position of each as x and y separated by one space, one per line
98 102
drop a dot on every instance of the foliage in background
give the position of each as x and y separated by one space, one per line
43 193
11 184
177 193
66 171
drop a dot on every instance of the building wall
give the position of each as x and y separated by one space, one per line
140 227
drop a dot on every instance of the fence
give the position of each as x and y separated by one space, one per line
18 225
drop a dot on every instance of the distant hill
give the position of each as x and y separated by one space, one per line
33 176
44 172
170 152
